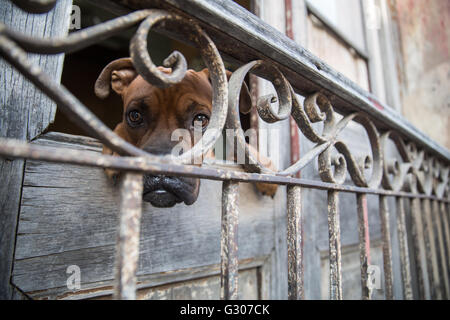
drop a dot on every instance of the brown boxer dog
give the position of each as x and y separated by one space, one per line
151 114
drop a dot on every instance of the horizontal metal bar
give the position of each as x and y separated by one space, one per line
244 37
12 148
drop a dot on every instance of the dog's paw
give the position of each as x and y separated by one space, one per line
113 175
267 189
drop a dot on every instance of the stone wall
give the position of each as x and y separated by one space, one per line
425 64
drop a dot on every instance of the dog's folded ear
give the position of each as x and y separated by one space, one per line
245 100
117 75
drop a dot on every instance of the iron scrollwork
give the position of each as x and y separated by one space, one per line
416 173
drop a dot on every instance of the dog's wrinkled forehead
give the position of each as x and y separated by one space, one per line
194 86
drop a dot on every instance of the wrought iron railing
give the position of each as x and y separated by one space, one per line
421 177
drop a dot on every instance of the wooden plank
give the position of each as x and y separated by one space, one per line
69 214
207 288
204 289
24 113
154 281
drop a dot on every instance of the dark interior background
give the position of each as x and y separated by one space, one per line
81 68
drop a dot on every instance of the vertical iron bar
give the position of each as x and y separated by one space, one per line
228 244
447 213
387 248
429 255
334 235
446 236
364 244
418 249
404 254
294 244
127 246
442 264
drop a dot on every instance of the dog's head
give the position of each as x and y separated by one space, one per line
151 114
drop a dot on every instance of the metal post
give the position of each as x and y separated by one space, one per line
387 248
294 244
404 254
228 244
334 235
429 255
127 247
416 231
364 243
445 226
440 252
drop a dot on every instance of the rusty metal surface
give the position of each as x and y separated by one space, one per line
416 175
229 241
10 49
416 231
446 232
127 245
13 148
334 236
404 251
440 252
245 37
387 248
427 236
364 244
295 244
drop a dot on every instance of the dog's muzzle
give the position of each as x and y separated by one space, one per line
164 192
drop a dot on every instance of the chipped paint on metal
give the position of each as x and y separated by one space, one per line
229 243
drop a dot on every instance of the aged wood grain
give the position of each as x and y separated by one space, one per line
24 113
68 217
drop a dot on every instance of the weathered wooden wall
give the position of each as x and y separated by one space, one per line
24 113
68 217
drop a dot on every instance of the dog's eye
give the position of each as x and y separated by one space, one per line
135 117
201 118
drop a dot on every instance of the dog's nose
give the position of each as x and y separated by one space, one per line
158 149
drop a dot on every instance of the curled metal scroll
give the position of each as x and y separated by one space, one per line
77 40
416 172
395 172
142 61
317 108
346 161
150 72
12 45
264 107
